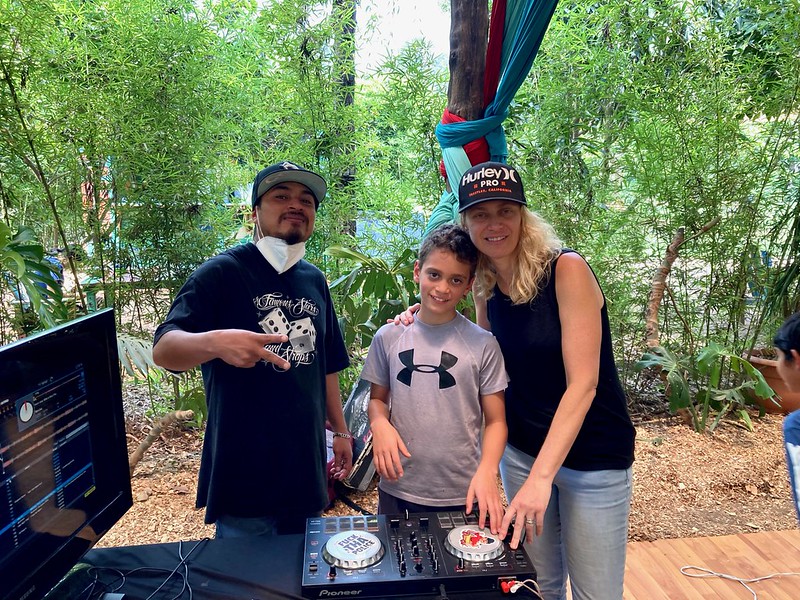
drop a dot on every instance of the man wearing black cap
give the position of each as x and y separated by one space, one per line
260 322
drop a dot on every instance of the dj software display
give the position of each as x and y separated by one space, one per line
380 555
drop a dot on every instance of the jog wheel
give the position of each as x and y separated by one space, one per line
473 544
353 550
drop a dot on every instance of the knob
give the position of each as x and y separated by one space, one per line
435 565
415 551
418 567
332 573
460 566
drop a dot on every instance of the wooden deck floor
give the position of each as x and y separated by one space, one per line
653 569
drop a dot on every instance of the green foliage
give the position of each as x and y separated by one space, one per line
372 292
135 356
709 385
23 267
192 396
131 129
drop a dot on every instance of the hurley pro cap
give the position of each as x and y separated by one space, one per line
288 171
489 181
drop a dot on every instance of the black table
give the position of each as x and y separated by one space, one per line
241 568
255 568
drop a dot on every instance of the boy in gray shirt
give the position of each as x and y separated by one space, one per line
443 377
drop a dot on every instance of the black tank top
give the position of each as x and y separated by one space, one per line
530 338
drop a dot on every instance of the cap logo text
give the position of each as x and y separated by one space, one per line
491 173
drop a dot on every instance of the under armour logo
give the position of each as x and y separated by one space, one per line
445 379
288 165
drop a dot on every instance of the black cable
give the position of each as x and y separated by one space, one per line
116 584
175 570
121 577
341 494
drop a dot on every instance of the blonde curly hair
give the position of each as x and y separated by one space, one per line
538 245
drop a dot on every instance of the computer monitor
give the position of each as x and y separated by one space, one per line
64 477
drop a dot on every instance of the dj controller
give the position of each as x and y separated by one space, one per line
421 553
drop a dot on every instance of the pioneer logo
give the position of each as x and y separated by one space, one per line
335 594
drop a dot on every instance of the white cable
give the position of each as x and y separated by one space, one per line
525 584
704 573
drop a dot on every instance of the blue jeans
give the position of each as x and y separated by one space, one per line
791 440
585 531
232 527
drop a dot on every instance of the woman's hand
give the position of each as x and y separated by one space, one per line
527 510
406 317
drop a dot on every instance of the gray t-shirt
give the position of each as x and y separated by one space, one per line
436 375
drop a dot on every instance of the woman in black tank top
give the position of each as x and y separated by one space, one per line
567 465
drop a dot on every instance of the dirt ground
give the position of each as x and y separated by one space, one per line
685 484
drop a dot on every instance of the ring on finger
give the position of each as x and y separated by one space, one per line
529 521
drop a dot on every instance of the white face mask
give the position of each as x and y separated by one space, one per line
279 254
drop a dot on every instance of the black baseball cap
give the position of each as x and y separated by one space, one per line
288 171
489 181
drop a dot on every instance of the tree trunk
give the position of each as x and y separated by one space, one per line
469 33
167 420
657 288
659 284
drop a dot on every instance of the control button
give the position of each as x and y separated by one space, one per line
312 568
332 573
394 522
423 521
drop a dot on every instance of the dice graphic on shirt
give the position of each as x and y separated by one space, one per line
302 335
275 322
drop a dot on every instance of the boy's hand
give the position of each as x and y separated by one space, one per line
387 445
483 488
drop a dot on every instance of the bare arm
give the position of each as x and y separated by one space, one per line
481 313
342 447
387 445
180 350
483 486
580 301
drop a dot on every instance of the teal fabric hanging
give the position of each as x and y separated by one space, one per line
525 24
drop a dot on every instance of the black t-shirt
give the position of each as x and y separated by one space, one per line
530 338
264 452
